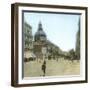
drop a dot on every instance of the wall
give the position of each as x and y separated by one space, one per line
5 45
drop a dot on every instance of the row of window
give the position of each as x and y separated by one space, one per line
26 30
28 46
28 39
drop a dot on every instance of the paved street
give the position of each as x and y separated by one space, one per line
53 68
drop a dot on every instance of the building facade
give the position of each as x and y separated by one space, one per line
28 42
28 38
39 41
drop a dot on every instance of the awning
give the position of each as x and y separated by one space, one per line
29 54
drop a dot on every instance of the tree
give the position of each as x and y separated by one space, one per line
72 54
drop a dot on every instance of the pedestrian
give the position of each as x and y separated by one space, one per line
44 68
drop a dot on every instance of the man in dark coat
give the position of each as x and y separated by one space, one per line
44 68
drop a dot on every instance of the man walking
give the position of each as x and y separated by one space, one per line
44 68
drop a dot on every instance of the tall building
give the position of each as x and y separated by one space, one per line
28 38
28 42
78 41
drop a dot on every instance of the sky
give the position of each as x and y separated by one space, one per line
60 29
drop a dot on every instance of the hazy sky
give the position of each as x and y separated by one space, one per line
60 29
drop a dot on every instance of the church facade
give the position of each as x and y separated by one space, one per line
42 46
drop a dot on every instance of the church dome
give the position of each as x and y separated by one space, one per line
40 34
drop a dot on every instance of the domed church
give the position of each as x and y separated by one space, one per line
40 34
41 41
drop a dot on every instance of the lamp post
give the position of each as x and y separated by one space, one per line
44 52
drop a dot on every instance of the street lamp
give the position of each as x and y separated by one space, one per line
44 52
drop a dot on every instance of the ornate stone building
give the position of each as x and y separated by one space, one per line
28 42
28 38
41 42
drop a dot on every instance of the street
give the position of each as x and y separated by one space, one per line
53 68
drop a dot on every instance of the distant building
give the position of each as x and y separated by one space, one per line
78 42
